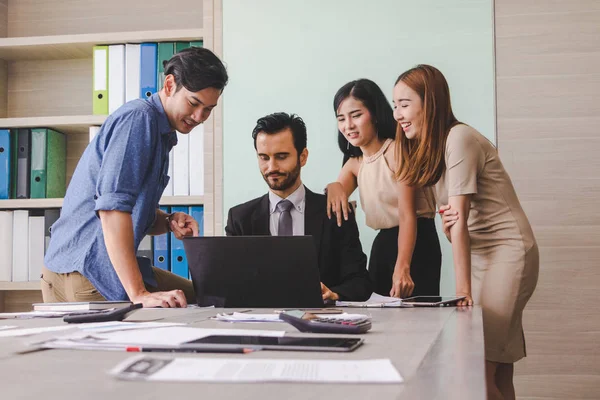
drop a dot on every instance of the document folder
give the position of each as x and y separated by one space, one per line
149 57
132 72
162 248
5 156
38 163
23 163
179 265
48 164
165 52
100 100
116 73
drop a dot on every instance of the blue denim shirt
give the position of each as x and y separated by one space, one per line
124 168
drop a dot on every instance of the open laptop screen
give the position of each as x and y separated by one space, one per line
254 271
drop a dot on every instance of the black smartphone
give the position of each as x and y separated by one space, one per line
338 344
109 315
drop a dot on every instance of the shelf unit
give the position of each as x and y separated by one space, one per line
63 47
29 204
46 79
20 286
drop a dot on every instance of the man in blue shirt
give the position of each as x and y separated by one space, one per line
113 197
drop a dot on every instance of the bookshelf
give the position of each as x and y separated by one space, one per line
20 286
59 47
46 73
57 203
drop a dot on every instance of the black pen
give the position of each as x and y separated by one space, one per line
235 350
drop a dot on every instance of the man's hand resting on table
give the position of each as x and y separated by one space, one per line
171 299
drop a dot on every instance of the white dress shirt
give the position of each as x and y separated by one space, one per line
298 199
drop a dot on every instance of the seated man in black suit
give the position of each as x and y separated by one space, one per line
280 143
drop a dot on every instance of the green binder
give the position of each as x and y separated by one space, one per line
38 164
180 46
165 52
48 164
56 165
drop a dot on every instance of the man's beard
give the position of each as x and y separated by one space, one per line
283 184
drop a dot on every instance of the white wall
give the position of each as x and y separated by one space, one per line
293 56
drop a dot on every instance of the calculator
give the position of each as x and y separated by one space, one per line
306 322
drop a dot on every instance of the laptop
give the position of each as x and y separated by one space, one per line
254 271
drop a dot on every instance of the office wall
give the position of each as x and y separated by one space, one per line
293 56
548 98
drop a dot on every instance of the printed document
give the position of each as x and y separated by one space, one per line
236 370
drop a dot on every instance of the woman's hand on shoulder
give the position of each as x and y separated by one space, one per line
337 202
449 218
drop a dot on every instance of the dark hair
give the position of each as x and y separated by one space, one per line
276 122
374 100
196 68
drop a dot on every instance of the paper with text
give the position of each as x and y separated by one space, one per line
256 370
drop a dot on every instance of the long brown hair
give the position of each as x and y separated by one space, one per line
422 161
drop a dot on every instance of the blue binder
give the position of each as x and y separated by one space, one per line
5 164
162 248
148 69
197 212
179 265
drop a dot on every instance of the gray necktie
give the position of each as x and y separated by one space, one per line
285 218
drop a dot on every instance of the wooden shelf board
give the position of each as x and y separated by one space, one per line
68 124
57 203
64 47
20 286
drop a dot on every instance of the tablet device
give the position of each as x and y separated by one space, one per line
432 301
287 343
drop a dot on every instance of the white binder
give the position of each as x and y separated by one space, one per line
197 160
169 189
116 77
93 132
6 245
20 256
36 247
181 166
132 72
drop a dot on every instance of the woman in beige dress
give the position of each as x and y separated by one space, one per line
496 258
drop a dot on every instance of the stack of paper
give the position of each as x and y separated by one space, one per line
243 317
164 336
376 300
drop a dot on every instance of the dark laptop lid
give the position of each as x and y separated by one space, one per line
254 271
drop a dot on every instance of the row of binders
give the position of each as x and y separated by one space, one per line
25 235
124 72
166 251
186 163
24 238
32 163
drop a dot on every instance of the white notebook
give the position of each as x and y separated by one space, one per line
83 305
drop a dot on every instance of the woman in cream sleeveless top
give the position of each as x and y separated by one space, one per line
403 262
380 205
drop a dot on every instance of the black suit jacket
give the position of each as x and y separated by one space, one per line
342 263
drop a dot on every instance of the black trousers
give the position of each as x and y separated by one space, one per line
425 267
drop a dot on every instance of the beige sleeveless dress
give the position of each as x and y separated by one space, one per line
504 253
